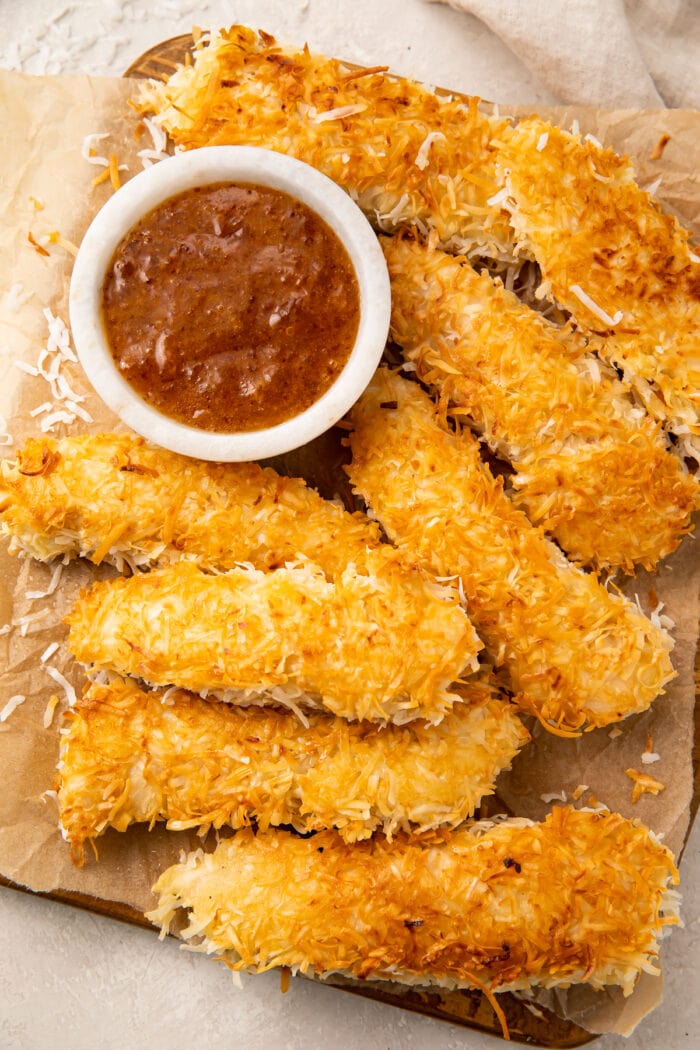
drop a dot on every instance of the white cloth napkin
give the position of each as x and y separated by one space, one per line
616 53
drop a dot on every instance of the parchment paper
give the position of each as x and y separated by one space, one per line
42 127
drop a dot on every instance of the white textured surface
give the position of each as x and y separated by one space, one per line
70 980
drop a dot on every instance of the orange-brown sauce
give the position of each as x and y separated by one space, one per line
231 307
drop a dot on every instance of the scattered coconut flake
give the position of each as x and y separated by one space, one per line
534 1010
50 711
16 297
338 113
594 308
653 187
11 705
554 796
578 791
421 160
6 628
148 157
87 150
24 367
65 390
614 733
157 133
593 140
79 411
542 141
498 198
693 257
48 651
25 622
649 757
575 127
48 423
64 683
59 337
46 406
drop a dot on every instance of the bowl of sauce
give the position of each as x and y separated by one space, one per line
230 303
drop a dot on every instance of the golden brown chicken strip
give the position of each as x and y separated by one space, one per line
362 646
580 898
622 267
577 653
403 152
115 497
591 467
129 755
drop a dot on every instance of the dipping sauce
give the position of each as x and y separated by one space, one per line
231 307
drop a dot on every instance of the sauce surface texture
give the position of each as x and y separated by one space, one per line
231 307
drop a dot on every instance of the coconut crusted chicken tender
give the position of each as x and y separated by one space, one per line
480 907
362 646
128 755
591 466
404 153
116 498
577 654
610 256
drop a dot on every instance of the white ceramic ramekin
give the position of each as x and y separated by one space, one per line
202 167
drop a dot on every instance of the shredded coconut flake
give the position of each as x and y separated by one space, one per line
24 367
64 683
594 308
48 423
16 297
498 198
87 148
542 141
554 796
649 757
79 411
11 705
421 160
338 113
48 652
46 406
